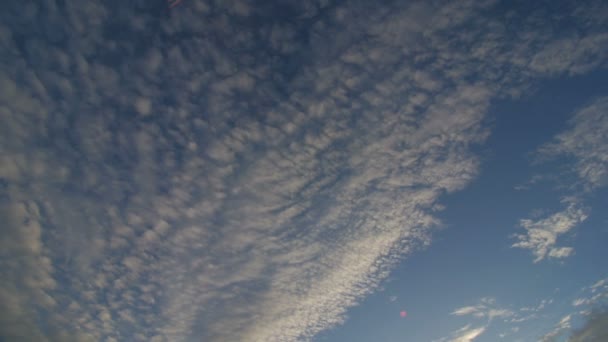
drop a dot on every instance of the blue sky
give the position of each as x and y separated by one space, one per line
303 171
488 267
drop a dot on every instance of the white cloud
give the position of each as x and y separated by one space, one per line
589 296
486 308
467 310
289 176
467 334
579 302
464 334
541 234
143 106
592 295
600 284
571 55
27 271
560 328
586 141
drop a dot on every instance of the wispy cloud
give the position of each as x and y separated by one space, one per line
592 295
600 285
160 170
560 328
541 234
590 306
464 334
586 141
467 334
486 308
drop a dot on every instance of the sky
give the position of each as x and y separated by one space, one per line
309 170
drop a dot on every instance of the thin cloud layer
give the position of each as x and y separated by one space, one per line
590 307
486 309
592 295
586 142
159 169
464 334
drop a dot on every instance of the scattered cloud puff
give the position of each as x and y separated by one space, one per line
542 234
159 170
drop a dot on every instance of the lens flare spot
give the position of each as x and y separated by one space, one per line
403 313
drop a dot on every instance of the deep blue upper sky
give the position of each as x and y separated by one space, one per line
303 171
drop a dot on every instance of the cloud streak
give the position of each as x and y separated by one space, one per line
486 309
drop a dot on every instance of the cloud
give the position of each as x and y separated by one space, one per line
169 169
541 234
467 334
486 308
464 334
143 106
585 141
601 284
488 314
593 297
559 329
571 55
594 329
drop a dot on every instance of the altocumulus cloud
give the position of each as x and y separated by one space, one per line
585 144
586 141
541 235
160 169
